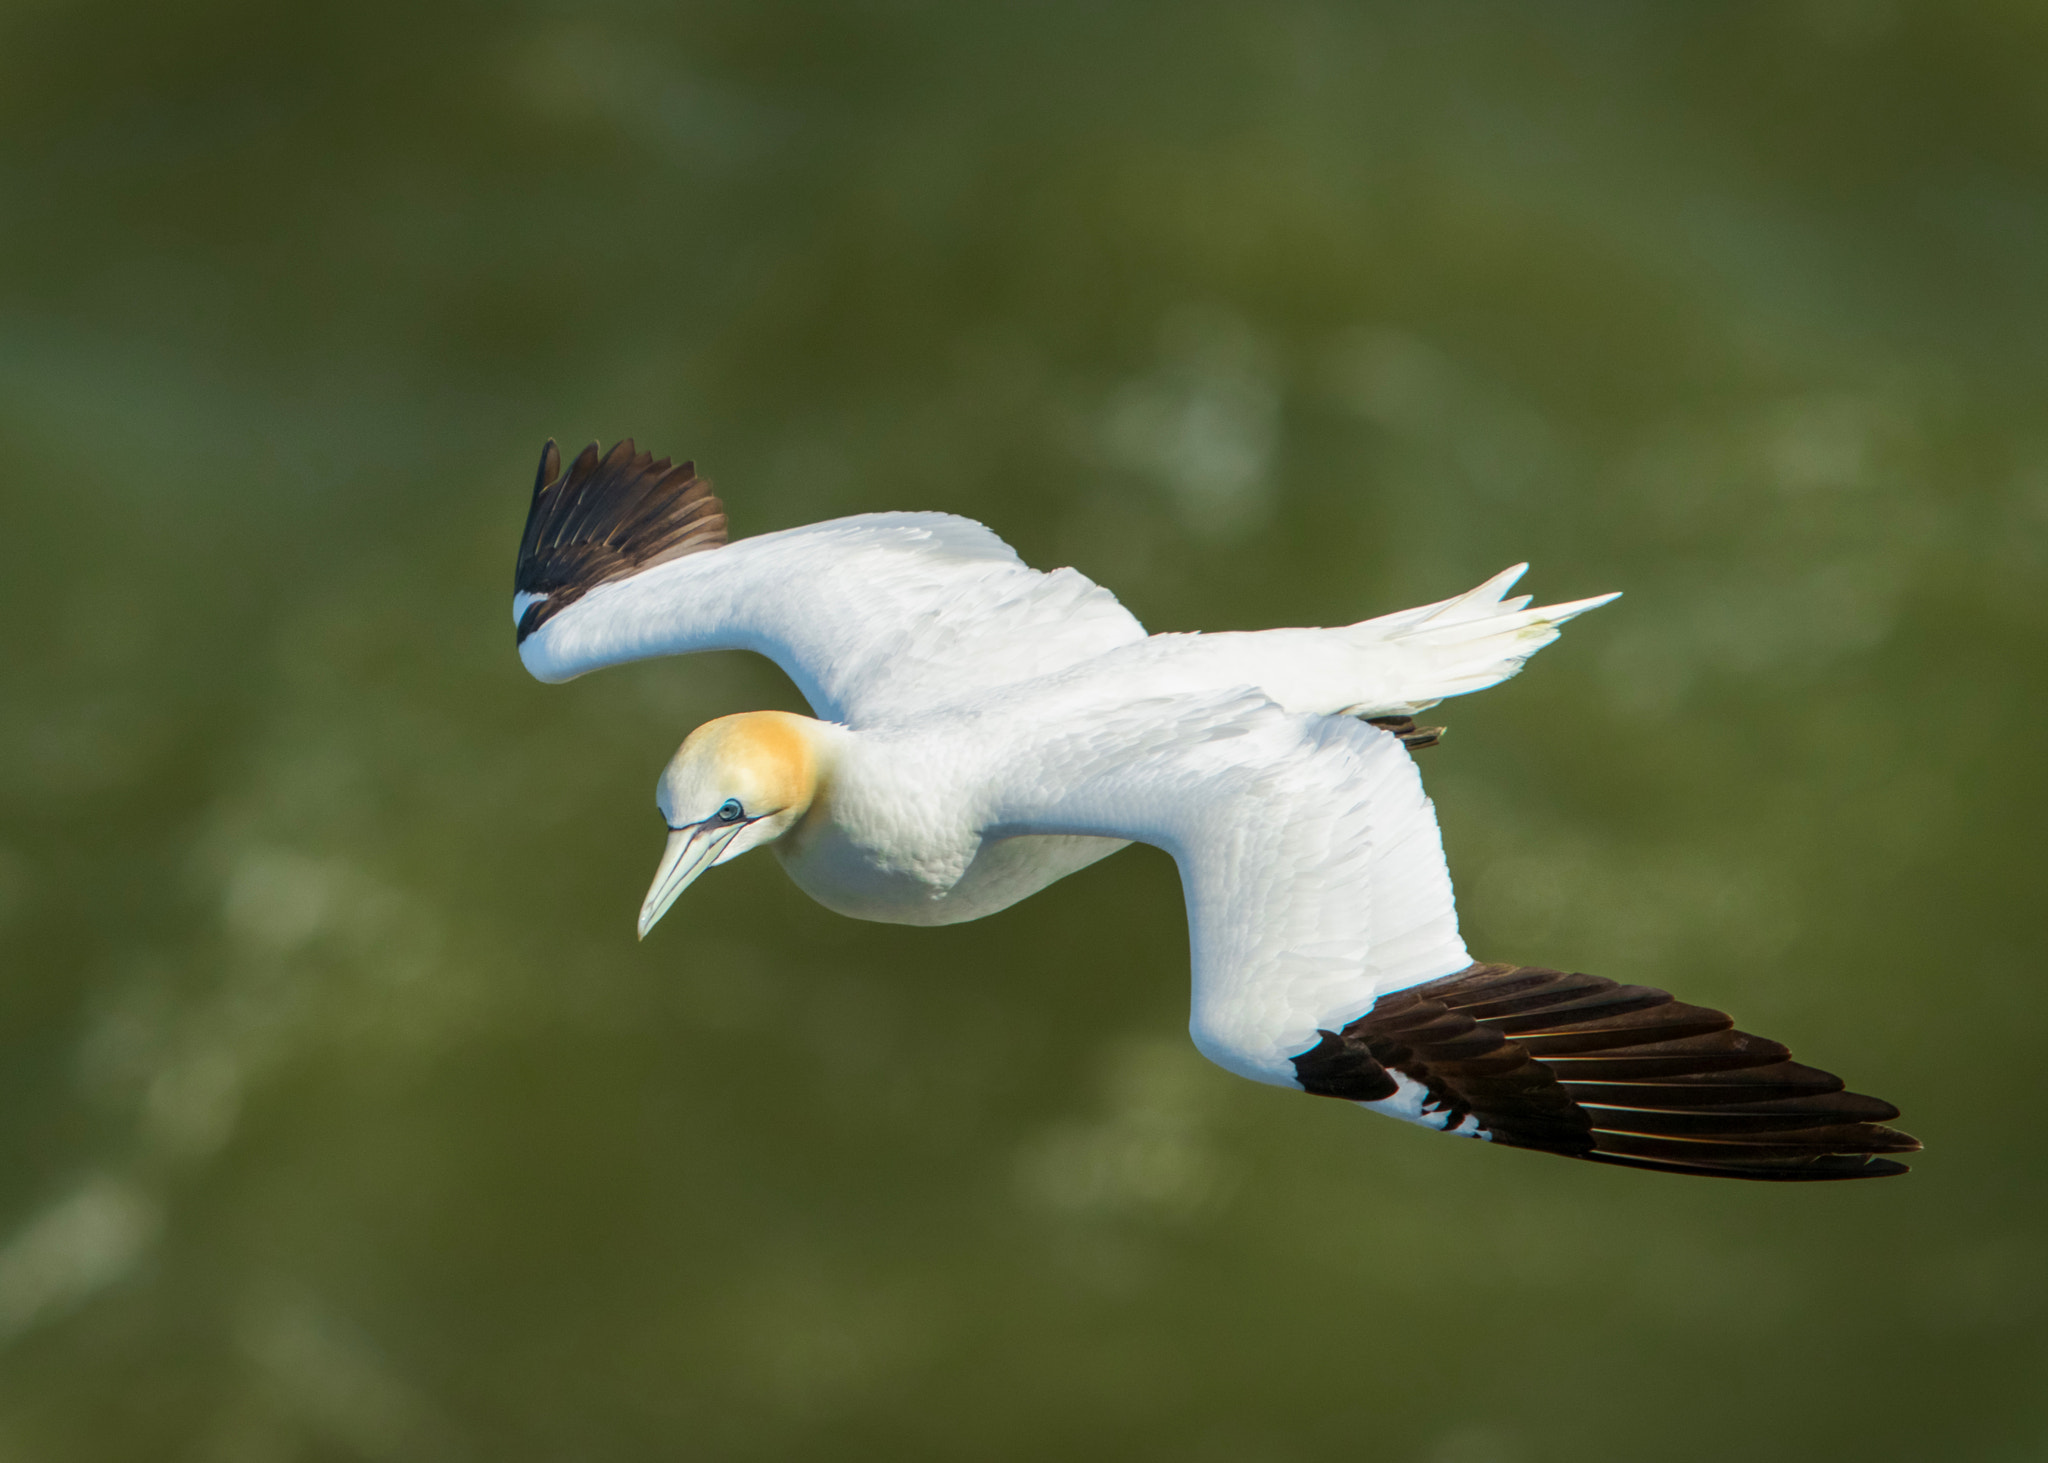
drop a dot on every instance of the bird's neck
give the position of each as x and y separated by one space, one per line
813 750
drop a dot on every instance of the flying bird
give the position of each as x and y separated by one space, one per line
983 728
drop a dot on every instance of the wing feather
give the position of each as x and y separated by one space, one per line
875 616
607 518
1623 1074
1309 856
1326 957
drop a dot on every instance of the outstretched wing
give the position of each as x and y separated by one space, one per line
1326 957
1309 856
625 558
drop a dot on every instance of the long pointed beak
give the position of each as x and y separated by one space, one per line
690 852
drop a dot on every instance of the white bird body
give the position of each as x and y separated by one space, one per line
984 729
893 836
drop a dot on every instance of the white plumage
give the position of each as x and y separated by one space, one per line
978 702
984 729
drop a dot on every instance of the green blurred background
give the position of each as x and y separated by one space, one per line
342 1118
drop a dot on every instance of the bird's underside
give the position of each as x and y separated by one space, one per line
1273 766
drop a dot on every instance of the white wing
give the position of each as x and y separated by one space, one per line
875 616
1393 666
1309 856
1327 957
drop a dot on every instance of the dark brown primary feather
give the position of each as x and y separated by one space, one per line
609 516
1577 1065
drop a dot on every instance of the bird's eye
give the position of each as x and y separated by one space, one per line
730 811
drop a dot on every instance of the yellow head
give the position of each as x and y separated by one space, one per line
735 784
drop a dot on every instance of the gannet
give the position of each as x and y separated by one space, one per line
982 729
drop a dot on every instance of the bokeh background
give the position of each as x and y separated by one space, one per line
341 1117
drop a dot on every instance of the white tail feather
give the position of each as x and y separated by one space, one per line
1465 644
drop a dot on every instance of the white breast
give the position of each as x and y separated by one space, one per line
858 880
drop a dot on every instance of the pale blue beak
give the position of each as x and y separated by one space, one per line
690 852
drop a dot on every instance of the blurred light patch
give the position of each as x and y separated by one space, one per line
335 1384
1457 428
280 900
72 1250
190 1109
1150 1154
586 74
1204 425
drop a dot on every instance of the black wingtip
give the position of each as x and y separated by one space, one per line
611 515
1616 1074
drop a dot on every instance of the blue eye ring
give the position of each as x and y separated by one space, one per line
730 811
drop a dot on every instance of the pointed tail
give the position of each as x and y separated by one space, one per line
1465 644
